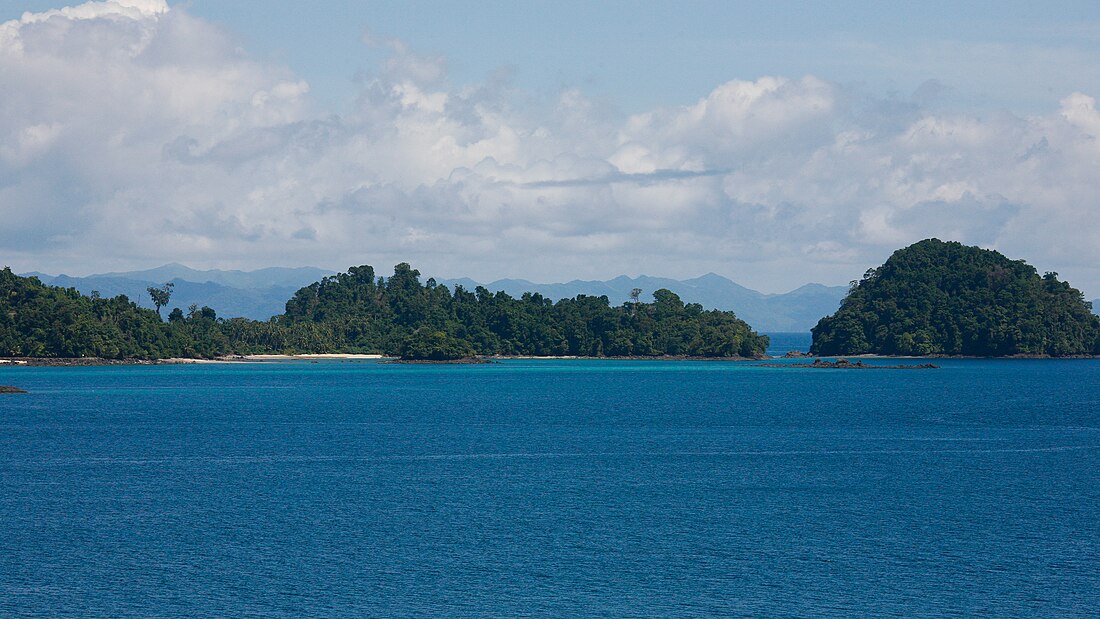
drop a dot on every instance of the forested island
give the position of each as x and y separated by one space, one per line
945 298
359 312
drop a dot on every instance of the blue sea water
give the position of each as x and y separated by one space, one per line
783 342
551 488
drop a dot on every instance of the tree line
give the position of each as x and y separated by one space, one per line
359 312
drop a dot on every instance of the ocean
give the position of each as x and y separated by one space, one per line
566 488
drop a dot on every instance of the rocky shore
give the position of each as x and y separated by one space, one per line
844 364
75 361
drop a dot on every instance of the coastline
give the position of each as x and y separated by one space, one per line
38 362
939 356
100 361
271 358
629 358
305 357
844 364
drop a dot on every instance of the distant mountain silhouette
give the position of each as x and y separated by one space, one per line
798 310
250 294
261 278
263 293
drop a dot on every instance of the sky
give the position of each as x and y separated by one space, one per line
775 143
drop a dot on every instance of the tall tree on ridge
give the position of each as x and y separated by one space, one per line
161 295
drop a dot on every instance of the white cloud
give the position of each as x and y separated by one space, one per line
133 134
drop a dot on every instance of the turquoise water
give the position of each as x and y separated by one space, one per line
554 488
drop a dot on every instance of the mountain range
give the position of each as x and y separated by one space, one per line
263 293
257 294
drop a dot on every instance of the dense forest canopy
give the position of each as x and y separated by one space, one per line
360 312
45 321
365 313
937 297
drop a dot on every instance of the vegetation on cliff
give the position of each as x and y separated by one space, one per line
937 297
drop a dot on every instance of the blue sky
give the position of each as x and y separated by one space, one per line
775 143
641 54
637 55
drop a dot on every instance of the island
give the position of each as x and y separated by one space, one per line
358 312
937 298
6 389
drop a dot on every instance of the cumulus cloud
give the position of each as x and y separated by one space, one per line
132 133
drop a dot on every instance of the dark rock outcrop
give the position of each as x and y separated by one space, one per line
844 364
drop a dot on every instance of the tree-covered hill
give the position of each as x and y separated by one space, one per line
359 312
937 297
399 315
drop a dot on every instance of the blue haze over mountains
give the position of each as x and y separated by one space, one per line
257 294
263 293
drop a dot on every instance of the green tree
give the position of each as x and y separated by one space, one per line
161 295
428 344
